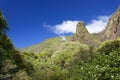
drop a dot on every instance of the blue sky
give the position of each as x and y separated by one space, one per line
32 21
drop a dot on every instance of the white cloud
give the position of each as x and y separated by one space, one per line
69 26
98 24
65 27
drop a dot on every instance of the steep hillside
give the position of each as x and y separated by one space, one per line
53 63
82 36
83 56
49 43
112 30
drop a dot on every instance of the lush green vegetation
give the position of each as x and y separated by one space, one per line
48 43
78 62
12 64
58 60
103 65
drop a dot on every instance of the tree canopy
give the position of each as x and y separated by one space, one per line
3 23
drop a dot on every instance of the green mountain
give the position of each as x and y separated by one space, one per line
83 56
82 36
47 44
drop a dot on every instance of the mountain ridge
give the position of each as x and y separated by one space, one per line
82 56
111 32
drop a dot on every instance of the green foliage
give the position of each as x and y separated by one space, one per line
11 61
5 42
80 68
73 61
3 23
22 75
109 61
3 53
109 46
101 66
8 53
47 44
68 61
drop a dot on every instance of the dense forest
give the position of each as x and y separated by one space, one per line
69 60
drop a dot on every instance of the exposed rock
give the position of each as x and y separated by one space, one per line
82 35
81 29
112 30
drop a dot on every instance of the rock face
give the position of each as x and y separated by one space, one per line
81 29
82 35
112 30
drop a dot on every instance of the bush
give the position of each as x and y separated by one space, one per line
109 46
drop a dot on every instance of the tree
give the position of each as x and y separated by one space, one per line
109 61
3 23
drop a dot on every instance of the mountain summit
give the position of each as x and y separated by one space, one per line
81 29
81 32
83 36
112 30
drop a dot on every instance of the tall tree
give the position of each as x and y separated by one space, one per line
3 23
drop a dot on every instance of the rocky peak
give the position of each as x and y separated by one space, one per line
112 30
81 29
82 35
